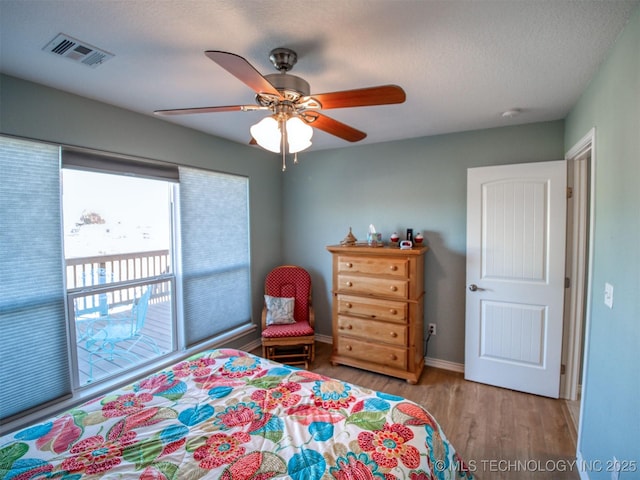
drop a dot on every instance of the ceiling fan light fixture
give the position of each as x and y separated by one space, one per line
267 134
298 135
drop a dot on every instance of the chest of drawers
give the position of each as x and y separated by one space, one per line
378 313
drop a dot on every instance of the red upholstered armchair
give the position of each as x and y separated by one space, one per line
287 316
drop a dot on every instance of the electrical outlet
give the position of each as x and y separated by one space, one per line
432 329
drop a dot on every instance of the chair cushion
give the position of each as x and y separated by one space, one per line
279 310
298 329
291 281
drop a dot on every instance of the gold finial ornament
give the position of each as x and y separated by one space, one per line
350 240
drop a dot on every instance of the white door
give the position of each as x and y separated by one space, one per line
515 275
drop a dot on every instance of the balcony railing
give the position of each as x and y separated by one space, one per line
102 288
86 272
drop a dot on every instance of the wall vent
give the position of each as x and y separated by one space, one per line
68 47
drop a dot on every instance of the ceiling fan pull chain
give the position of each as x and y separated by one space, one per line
295 158
283 139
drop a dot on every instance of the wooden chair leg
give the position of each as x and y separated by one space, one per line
305 354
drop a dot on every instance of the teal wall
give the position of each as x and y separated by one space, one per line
611 104
32 111
419 183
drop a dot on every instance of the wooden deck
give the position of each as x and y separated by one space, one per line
128 354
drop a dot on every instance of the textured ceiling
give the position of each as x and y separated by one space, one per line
461 63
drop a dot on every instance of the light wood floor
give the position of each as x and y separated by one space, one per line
501 433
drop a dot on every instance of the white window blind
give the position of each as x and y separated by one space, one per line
35 358
34 365
214 214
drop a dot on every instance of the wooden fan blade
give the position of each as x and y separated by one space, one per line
362 97
228 108
334 127
243 71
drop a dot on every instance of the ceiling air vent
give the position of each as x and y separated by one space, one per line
65 46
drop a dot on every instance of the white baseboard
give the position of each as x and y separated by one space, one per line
324 338
444 364
429 362
251 345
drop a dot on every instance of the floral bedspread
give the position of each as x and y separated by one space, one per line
231 415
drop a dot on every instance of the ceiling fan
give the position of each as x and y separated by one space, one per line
294 109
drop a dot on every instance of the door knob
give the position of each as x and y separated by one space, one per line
474 288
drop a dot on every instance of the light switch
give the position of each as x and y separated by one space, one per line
608 295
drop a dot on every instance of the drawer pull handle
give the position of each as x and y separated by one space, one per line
394 357
393 334
393 311
393 288
348 347
349 284
349 327
349 264
393 268
348 305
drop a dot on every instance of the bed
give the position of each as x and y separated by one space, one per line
228 414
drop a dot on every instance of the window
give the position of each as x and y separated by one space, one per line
119 271
49 305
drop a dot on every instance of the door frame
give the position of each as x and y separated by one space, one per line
578 348
578 242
